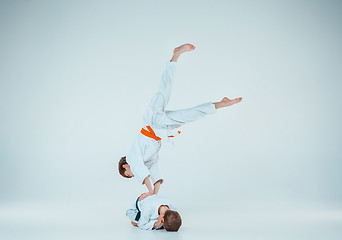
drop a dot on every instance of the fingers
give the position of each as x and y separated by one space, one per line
144 195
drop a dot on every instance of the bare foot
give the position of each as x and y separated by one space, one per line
181 49
184 48
225 102
134 224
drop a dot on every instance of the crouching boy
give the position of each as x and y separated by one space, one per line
154 212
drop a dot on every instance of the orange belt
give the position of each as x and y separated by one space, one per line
150 133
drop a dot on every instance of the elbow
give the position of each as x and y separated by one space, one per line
160 181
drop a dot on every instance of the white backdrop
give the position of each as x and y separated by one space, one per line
76 77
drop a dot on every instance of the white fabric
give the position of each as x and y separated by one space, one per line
143 154
149 211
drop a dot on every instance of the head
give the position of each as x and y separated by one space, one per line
171 220
124 168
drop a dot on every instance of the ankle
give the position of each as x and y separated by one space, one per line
217 105
175 57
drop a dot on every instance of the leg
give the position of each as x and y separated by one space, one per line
162 96
164 91
131 214
179 117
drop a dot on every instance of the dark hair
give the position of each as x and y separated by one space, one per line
121 168
172 221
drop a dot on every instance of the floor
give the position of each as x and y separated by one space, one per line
103 221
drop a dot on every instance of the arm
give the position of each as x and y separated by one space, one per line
156 175
157 186
145 221
135 159
159 222
148 184
149 187
150 192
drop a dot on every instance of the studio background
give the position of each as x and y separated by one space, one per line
76 77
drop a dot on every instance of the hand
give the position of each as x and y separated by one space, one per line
145 195
157 223
160 219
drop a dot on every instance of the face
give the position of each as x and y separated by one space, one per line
128 171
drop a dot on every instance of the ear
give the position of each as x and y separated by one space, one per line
162 220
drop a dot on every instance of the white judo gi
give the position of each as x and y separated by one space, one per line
149 211
143 154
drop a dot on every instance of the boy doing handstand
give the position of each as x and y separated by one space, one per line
142 160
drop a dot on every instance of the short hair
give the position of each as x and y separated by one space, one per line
121 168
172 221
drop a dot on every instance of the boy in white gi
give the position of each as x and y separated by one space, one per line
142 161
154 212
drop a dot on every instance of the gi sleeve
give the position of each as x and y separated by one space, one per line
145 221
139 169
155 172
136 162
